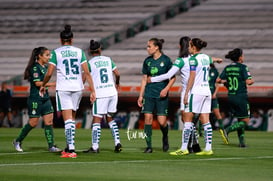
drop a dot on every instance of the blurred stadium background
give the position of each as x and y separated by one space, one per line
123 27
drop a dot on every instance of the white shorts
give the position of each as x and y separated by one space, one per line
182 105
105 105
66 100
199 104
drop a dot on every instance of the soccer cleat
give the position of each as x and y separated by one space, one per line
54 149
204 152
17 146
224 136
165 142
148 150
180 152
118 148
69 155
242 145
196 148
91 150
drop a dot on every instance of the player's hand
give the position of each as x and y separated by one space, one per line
148 79
163 93
92 97
140 101
186 100
217 59
42 91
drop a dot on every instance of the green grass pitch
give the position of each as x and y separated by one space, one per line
229 162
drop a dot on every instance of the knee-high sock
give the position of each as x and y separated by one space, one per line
115 131
208 136
49 135
164 130
24 132
236 126
186 135
148 133
70 134
241 135
195 135
96 130
220 121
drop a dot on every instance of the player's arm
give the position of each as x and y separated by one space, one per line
165 91
89 80
44 83
142 89
249 81
166 76
117 76
217 86
189 86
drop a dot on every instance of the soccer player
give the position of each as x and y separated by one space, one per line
236 77
69 62
214 87
5 104
153 97
102 69
197 97
181 64
38 105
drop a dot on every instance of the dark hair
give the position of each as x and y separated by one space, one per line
94 46
184 46
212 65
158 42
234 54
32 60
198 43
66 35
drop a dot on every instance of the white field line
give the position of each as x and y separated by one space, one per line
132 161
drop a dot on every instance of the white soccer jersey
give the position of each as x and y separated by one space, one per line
68 60
101 69
201 64
183 64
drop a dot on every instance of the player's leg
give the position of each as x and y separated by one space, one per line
162 112
203 106
147 109
112 109
34 113
64 103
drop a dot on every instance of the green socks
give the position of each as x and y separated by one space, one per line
148 132
164 130
220 121
236 126
24 132
49 135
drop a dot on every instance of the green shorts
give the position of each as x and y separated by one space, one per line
159 106
38 108
239 106
214 104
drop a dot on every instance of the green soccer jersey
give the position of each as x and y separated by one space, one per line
152 67
236 74
213 74
37 73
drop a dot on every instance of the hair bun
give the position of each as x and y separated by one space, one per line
67 28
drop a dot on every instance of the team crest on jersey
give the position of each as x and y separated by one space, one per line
35 75
33 111
212 74
162 64
177 61
154 70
